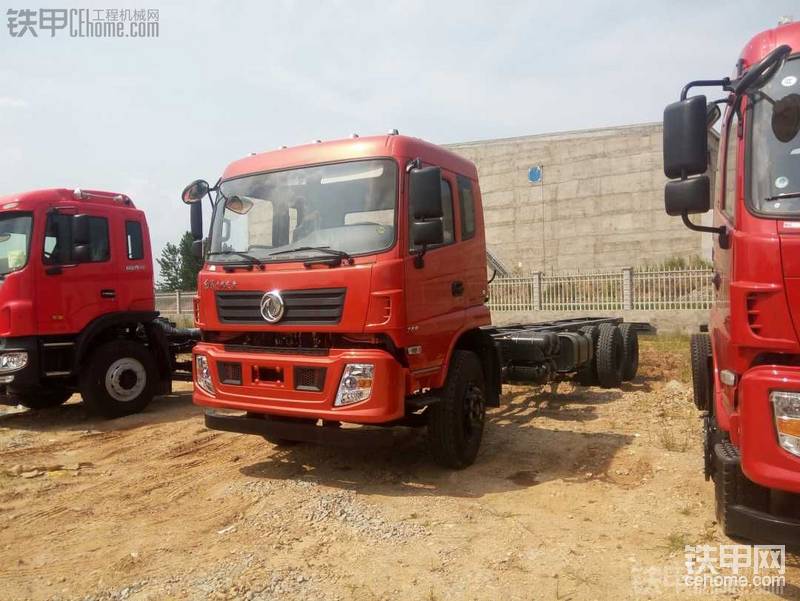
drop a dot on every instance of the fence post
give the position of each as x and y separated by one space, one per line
178 302
627 288
536 291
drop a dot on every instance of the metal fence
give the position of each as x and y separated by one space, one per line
648 290
626 289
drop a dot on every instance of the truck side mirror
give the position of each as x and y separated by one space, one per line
689 196
81 253
686 138
80 230
196 217
425 198
195 191
425 193
197 249
425 233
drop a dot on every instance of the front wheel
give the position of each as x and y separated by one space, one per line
120 378
455 425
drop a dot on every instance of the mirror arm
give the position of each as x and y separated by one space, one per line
721 231
419 257
724 83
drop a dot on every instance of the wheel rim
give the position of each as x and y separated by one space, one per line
125 379
474 410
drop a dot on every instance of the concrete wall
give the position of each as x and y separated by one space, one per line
600 204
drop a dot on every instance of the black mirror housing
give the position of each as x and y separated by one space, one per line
81 253
196 217
686 138
195 191
425 193
427 233
688 196
197 249
80 230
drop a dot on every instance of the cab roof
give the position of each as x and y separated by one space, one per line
389 146
765 42
77 195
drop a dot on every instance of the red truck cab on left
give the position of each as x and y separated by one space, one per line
77 302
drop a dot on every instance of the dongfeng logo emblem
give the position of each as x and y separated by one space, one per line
272 306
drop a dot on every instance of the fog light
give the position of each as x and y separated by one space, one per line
13 361
786 406
203 374
356 384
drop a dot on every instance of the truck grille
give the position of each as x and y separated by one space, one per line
321 306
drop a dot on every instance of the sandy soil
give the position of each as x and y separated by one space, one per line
577 494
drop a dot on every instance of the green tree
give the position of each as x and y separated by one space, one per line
179 268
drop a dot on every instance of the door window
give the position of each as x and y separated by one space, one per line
728 200
467 205
58 246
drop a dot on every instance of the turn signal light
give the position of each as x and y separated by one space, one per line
786 406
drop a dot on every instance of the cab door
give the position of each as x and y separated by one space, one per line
76 280
725 209
435 291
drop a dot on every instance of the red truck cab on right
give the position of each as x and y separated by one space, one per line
746 367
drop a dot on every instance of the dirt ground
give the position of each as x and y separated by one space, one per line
578 493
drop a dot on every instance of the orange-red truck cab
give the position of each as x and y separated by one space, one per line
746 368
77 303
345 282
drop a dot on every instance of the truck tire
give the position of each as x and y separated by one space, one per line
630 351
119 378
587 373
702 382
610 355
731 487
455 424
45 399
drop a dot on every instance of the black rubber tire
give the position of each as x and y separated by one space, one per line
702 381
98 399
46 399
587 374
630 351
609 356
731 487
455 423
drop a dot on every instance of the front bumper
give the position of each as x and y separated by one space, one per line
763 460
280 396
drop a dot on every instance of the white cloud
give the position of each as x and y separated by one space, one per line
9 102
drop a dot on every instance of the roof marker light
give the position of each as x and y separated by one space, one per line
78 194
394 132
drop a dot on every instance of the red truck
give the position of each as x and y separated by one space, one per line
746 366
77 304
345 283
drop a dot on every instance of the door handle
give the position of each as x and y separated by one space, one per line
108 293
457 288
54 270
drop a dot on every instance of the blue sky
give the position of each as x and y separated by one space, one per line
146 116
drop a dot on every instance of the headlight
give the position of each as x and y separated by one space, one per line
13 361
203 374
786 406
356 384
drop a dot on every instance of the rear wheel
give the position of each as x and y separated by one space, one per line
630 351
610 353
455 424
587 374
44 399
120 378
702 382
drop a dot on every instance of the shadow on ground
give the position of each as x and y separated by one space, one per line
518 452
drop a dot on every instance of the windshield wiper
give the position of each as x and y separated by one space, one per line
252 260
782 196
325 249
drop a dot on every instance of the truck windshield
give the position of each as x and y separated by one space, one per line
15 234
306 212
775 171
